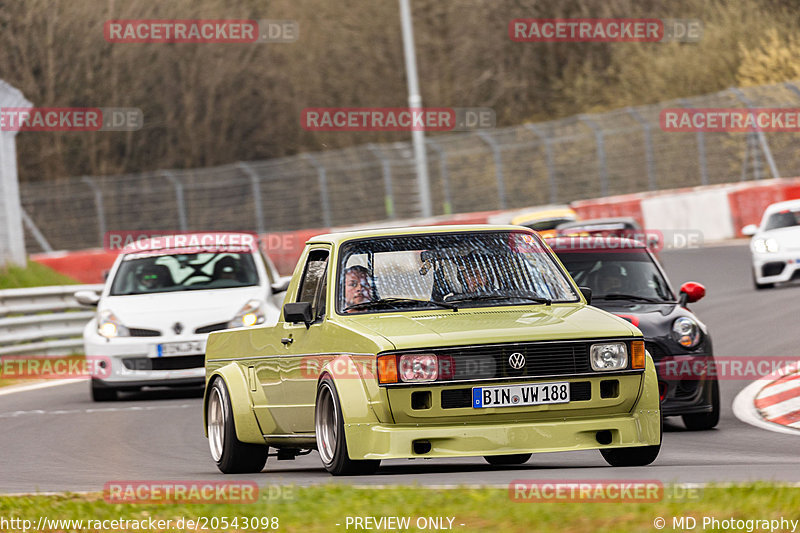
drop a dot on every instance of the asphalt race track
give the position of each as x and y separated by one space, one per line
56 439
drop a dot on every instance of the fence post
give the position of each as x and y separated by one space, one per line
386 171
648 147
322 178
179 200
701 148
549 160
12 236
98 205
447 202
762 139
37 235
601 152
255 183
498 166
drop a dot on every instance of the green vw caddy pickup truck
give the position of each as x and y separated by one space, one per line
447 341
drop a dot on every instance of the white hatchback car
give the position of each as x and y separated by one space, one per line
161 301
775 244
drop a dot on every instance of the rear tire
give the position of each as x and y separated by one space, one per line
502 460
103 394
703 421
231 455
331 441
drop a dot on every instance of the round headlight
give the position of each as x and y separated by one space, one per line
611 356
686 332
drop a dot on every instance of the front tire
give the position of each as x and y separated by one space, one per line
231 455
331 441
703 421
505 460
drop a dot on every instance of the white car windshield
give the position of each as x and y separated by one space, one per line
449 270
156 273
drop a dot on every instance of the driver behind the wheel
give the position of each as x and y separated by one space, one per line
357 287
152 277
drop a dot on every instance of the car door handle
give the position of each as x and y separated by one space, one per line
287 340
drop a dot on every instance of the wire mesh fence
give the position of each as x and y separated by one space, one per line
579 157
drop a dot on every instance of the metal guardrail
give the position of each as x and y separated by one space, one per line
43 320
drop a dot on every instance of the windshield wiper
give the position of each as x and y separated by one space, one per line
480 297
617 296
394 301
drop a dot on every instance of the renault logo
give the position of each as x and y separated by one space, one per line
516 360
177 328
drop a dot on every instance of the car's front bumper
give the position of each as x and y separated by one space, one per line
685 392
131 362
638 424
776 267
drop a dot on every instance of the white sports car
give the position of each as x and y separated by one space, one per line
164 296
775 244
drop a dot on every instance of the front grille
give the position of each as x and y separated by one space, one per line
141 332
773 268
180 362
656 351
493 361
579 391
212 327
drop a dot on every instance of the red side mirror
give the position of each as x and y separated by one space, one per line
693 290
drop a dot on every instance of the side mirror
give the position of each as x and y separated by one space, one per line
89 298
691 292
298 312
587 293
749 230
281 285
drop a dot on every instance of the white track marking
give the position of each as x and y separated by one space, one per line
12 389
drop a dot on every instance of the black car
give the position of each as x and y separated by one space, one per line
626 279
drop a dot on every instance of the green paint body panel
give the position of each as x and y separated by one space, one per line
276 398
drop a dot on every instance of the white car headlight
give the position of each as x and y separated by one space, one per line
250 315
609 356
109 326
418 367
686 332
762 246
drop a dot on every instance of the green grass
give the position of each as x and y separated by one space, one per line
33 275
321 508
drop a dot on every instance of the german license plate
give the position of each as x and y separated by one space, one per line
181 348
517 395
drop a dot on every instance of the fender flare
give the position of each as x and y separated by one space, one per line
244 419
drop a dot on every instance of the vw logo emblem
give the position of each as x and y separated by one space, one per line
177 328
516 360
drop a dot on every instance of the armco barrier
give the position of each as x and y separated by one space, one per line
43 320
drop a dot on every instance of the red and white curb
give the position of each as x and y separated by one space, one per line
779 402
771 403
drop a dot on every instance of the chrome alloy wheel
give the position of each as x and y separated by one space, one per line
327 424
216 423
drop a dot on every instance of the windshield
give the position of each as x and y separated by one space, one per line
783 219
610 274
153 273
465 269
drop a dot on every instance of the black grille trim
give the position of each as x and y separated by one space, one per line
141 332
178 362
212 327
